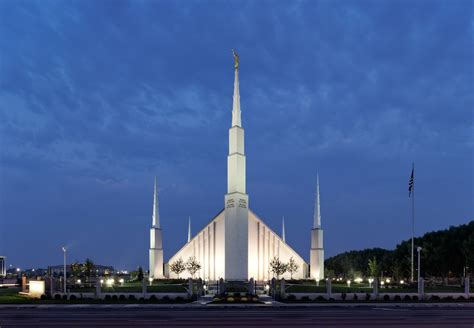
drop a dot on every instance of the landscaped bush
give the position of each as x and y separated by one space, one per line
331 299
131 297
179 299
107 297
461 298
305 299
435 298
72 297
367 296
166 298
153 298
448 298
320 298
230 299
414 298
386 298
57 296
355 298
407 298
244 299
65 297
141 299
114 298
122 297
343 296
397 298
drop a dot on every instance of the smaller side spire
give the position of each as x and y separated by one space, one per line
283 229
189 229
317 207
156 214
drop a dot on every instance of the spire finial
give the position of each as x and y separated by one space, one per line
317 207
283 229
156 214
189 229
236 121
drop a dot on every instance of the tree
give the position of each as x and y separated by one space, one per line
88 267
278 267
140 274
178 266
373 268
397 271
193 266
292 267
76 269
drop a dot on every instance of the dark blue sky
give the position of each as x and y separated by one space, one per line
98 96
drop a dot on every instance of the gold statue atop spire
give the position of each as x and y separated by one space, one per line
236 59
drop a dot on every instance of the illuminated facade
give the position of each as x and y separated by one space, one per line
236 244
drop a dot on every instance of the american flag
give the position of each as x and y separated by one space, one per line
411 183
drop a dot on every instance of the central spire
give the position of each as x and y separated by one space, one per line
236 120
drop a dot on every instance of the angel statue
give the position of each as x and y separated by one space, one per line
236 59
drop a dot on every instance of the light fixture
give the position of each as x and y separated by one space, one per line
78 281
402 282
109 282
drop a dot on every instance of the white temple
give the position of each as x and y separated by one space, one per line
236 244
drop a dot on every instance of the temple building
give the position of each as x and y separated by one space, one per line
236 244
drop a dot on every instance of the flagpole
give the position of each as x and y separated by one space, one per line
413 226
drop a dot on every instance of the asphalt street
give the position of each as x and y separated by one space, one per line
236 317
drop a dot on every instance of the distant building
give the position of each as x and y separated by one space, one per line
3 266
100 270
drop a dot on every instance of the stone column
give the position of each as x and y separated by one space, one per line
273 287
23 284
466 287
190 287
221 286
282 289
329 287
97 288
421 288
251 288
144 287
376 288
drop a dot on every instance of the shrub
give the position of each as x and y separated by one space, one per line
386 298
255 298
355 298
153 298
407 298
305 299
397 298
291 297
230 299
45 297
461 298
131 297
114 297
448 298
166 298
141 299
331 299
435 298
65 297
343 296
72 297
122 297
244 299
367 296
107 297
57 296
179 299
415 298
320 298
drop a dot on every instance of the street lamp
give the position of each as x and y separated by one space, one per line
64 251
418 249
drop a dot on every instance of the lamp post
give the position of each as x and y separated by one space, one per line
418 249
64 251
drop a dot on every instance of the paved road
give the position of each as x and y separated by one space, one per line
233 317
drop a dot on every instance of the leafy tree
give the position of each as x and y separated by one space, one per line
373 268
329 273
397 271
292 267
178 266
193 266
76 269
88 267
140 274
277 267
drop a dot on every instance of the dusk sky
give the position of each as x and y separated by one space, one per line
96 97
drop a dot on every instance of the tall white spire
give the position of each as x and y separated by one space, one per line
283 230
189 229
317 207
236 121
156 214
